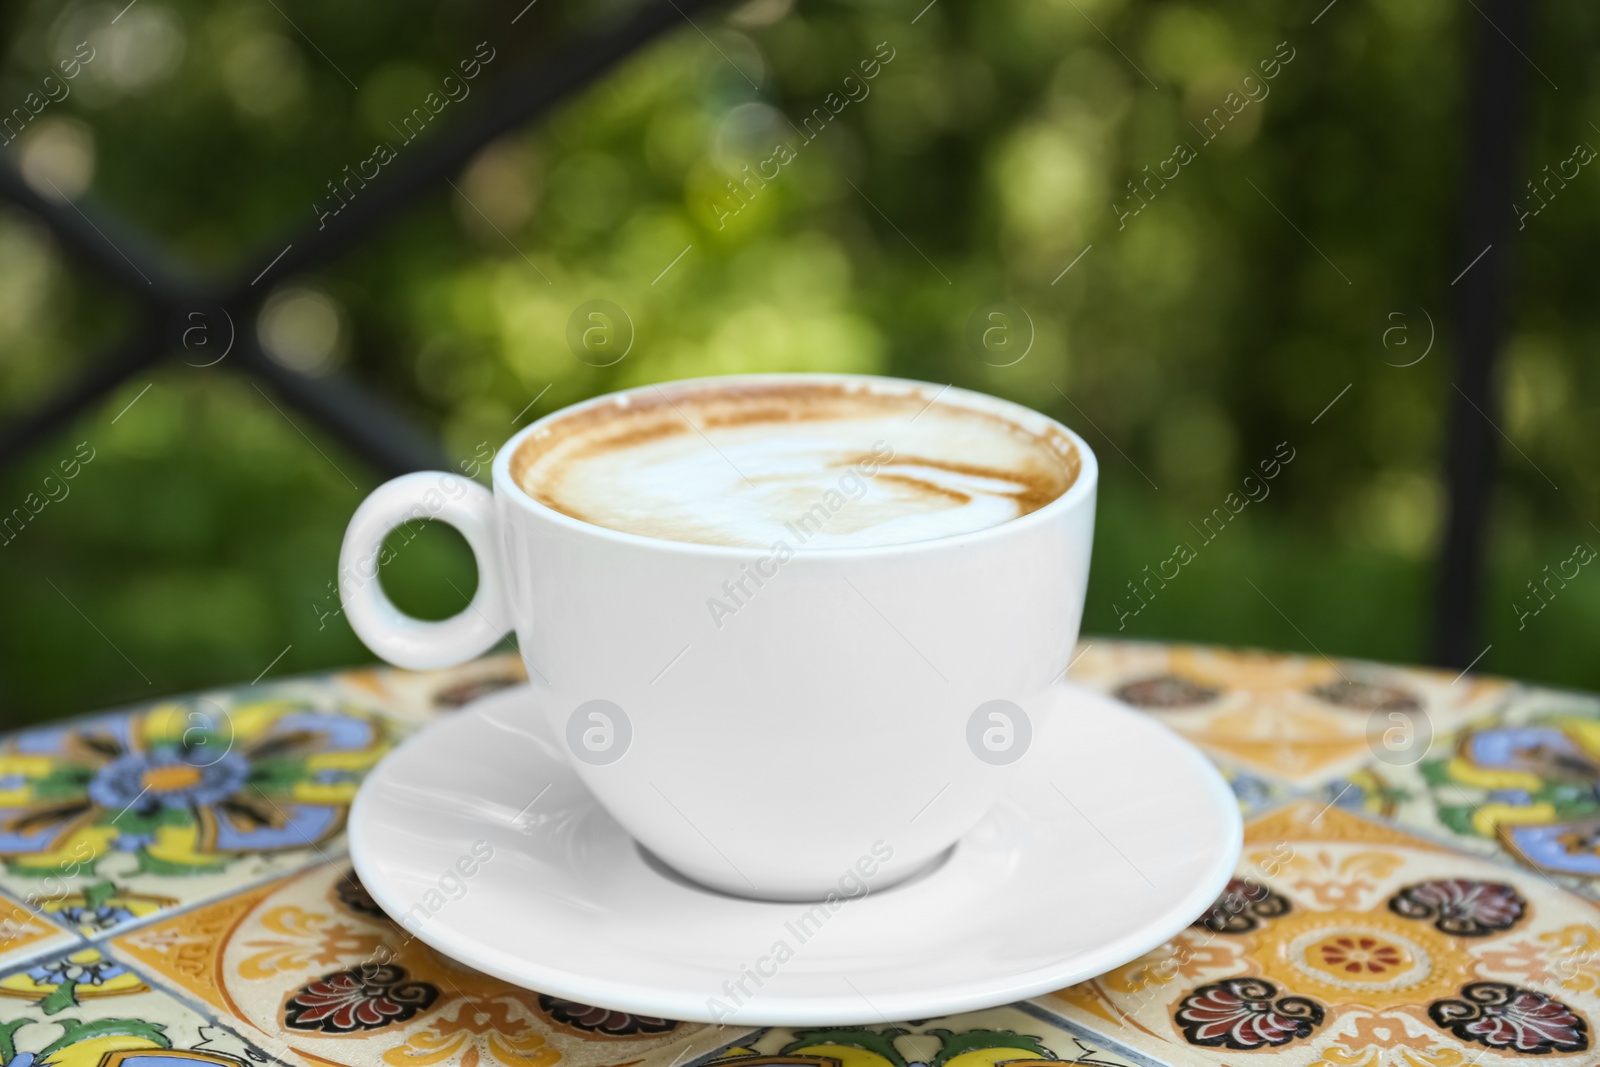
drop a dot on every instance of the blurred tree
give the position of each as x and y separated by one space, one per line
1228 228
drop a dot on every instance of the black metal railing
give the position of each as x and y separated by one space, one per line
1494 110
165 300
383 438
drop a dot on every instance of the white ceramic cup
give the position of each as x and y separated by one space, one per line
849 722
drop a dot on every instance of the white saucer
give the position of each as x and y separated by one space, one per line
1120 835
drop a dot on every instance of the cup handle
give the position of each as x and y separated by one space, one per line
397 637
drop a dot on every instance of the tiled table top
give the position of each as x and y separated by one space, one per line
176 889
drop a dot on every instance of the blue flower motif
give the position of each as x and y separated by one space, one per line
146 782
133 842
121 782
102 918
1345 794
1251 792
90 972
1519 798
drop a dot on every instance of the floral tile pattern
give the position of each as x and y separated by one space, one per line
421 696
1255 792
1524 784
311 962
173 889
60 982
1343 941
107 820
88 1010
1300 719
976 1039
25 933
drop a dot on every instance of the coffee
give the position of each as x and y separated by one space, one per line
818 464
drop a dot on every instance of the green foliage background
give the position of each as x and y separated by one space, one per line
1185 344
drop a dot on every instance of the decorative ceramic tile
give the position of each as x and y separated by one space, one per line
1374 790
1347 943
1526 784
1304 720
25 934
421 696
89 1010
311 966
58 983
1255 792
976 1039
198 846
107 820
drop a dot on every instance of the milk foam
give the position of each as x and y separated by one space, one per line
813 465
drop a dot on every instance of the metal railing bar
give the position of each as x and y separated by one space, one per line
140 350
516 104
100 242
365 425
1494 114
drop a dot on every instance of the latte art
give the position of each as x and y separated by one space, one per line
810 464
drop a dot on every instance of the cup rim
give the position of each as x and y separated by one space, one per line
1082 489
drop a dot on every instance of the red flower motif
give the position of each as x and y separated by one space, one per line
1241 1013
1366 696
1357 954
1165 691
1502 1016
602 1021
1461 907
1242 907
353 895
362 998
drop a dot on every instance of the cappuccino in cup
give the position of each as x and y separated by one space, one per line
765 616
832 465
